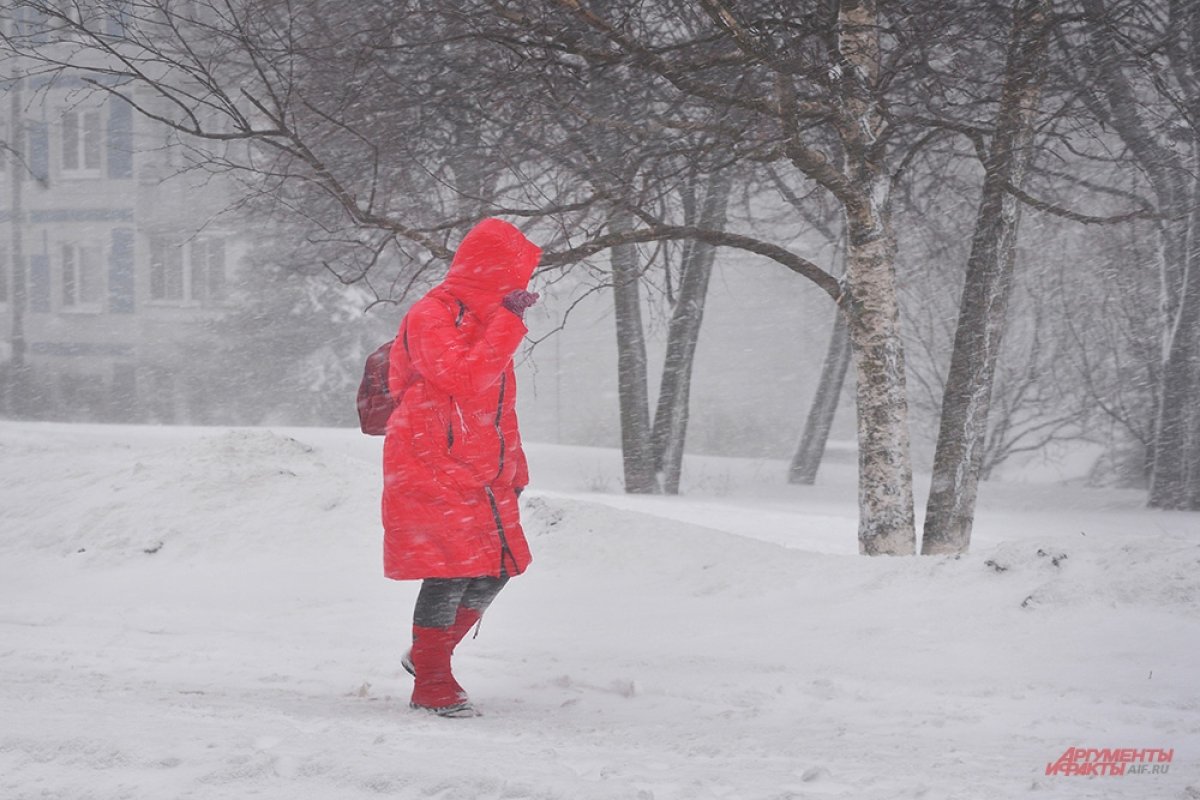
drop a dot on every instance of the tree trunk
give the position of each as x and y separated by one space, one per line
1172 477
885 498
807 459
983 312
1174 483
18 383
683 334
633 393
1188 329
1170 484
1168 175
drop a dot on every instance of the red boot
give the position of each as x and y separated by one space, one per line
464 620
435 688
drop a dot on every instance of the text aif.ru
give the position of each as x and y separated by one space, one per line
1118 761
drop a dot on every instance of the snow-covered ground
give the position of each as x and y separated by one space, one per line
199 613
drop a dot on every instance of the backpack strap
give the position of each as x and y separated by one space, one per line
462 312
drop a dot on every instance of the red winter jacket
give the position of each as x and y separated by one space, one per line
452 457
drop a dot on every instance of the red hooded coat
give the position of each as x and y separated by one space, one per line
452 457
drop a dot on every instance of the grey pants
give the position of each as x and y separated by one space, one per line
440 598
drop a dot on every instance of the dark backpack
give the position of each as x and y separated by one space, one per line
375 401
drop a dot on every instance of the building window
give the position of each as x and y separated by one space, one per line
81 143
71 10
189 274
208 270
82 277
186 10
68 17
166 271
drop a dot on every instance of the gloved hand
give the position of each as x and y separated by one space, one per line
519 300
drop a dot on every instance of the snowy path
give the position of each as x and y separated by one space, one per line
254 652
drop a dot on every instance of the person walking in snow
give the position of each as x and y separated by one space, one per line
452 459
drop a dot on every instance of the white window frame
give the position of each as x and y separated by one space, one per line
208 273
183 274
81 267
163 258
6 277
82 143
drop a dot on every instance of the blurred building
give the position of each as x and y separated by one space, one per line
115 259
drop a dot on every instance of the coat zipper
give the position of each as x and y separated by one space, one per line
499 428
505 550
462 423
462 312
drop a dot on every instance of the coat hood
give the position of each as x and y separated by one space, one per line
493 259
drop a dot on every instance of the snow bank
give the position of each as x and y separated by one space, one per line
191 613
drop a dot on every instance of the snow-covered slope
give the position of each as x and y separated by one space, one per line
199 613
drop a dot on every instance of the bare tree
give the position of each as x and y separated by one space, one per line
17 377
809 453
823 73
983 315
390 126
683 333
1140 65
632 367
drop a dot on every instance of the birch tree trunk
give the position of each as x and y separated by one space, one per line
1183 364
983 311
1175 477
1171 477
885 498
1169 177
683 335
633 392
807 459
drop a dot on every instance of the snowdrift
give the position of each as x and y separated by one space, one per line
200 613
